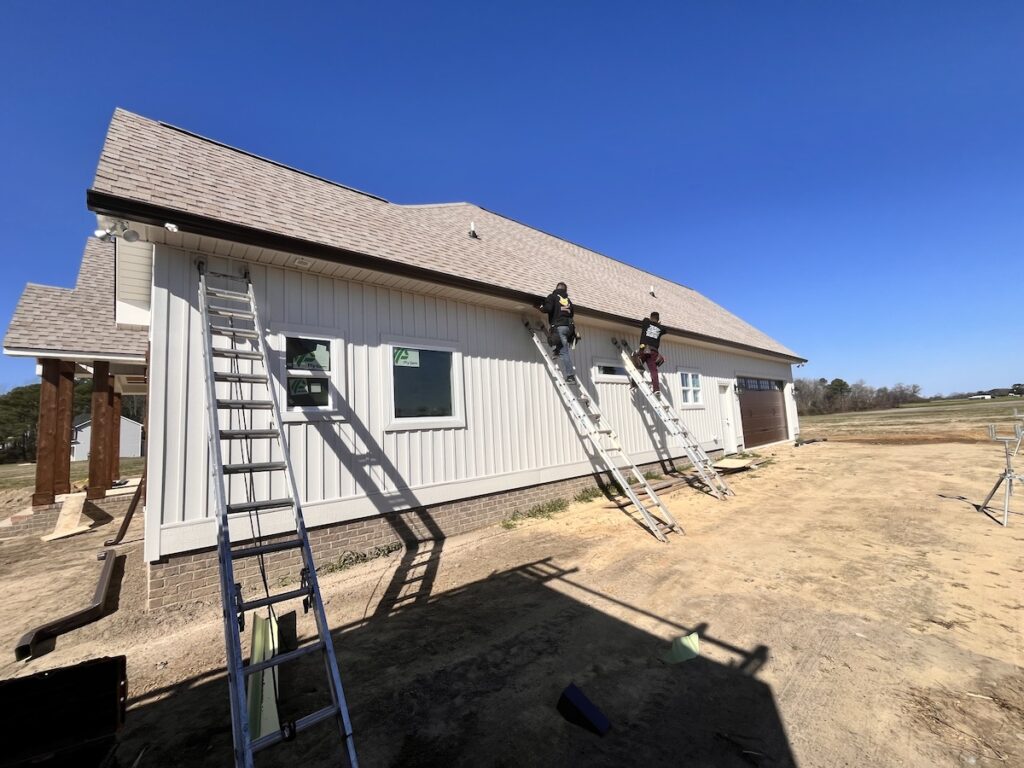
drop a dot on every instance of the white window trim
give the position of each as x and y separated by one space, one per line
683 405
393 424
277 341
607 378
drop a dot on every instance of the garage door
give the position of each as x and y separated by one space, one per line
762 410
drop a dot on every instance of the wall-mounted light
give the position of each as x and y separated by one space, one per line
115 230
171 227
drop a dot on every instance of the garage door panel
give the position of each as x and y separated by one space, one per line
763 413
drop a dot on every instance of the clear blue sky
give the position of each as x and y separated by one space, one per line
849 177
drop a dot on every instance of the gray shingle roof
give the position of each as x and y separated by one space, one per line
152 163
77 320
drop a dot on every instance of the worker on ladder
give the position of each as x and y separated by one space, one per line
650 338
562 329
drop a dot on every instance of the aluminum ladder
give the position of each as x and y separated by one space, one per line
233 317
594 428
674 424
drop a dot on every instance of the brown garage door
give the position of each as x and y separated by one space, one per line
763 411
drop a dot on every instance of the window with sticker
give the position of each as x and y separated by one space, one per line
307 373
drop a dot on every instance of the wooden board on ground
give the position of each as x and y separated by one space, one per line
69 520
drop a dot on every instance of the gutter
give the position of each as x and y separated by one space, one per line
28 645
105 204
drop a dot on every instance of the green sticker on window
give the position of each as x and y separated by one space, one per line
407 358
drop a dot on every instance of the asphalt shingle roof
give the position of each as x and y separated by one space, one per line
77 320
153 163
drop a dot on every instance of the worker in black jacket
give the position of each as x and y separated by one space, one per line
650 339
559 309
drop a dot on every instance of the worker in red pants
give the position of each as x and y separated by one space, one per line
650 338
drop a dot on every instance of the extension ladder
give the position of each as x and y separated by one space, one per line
592 426
674 424
234 318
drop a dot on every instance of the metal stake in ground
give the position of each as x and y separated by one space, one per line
1009 475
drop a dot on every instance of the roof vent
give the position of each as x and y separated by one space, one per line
652 291
472 231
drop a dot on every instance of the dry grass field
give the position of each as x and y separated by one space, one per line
853 610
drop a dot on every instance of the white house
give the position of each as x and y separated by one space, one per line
429 407
129 442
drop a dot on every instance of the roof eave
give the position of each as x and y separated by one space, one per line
84 356
105 203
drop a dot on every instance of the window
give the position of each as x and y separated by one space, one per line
751 384
690 386
608 370
307 363
425 381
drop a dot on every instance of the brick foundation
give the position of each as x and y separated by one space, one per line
41 520
192 577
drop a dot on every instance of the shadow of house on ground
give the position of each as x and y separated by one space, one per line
472 678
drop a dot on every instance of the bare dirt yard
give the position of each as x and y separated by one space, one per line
852 609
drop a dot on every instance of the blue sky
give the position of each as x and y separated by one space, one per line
849 177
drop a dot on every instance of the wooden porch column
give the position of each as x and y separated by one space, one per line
46 432
99 435
65 406
115 434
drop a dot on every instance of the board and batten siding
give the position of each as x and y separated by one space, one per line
350 464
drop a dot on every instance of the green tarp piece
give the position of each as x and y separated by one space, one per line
683 648
263 718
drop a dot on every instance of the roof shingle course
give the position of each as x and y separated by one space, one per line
149 162
77 320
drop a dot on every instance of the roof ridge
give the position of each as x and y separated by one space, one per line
437 205
253 155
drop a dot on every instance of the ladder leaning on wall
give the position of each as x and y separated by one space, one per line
234 318
674 424
593 428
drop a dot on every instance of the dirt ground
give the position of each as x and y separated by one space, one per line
940 422
852 609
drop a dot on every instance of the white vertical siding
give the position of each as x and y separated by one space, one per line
517 431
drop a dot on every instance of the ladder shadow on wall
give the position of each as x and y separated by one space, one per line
422 538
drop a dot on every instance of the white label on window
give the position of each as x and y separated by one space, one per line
407 358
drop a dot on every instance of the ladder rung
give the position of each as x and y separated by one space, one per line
242 353
229 312
266 549
222 293
241 333
250 377
284 658
262 602
302 724
253 405
255 506
242 434
266 466
236 278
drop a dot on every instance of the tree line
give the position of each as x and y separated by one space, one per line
817 396
19 417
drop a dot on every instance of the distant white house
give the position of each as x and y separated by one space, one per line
81 431
980 397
